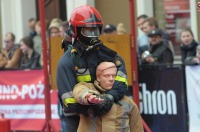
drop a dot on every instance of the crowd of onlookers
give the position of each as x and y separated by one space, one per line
154 45
27 53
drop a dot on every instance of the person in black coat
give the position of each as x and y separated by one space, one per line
79 62
188 45
158 53
30 58
193 60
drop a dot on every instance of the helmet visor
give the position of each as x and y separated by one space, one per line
90 31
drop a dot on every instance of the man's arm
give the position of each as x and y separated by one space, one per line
15 60
85 94
3 60
120 86
192 60
66 80
35 61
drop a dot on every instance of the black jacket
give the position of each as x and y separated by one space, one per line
77 65
30 63
162 53
188 50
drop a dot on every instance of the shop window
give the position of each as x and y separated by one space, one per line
173 16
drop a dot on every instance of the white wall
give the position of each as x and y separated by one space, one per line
193 16
15 15
144 7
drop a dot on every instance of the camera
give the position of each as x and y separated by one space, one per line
146 54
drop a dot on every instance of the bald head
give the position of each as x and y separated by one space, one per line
106 73
9 41
10 35
103 66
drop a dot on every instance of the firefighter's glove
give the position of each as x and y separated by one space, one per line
102 108
77 108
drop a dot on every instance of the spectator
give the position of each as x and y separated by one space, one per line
124 114
30 58
56 20
10 56
188 44
194 60
140 21
121 29
110 29
31 25
63 27
159 53
151 24
38 38
54 29
142 40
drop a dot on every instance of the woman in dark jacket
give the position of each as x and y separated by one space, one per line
194 60
188 46
30 58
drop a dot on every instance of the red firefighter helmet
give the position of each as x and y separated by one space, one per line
85 16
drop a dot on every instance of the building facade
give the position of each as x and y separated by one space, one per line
172 15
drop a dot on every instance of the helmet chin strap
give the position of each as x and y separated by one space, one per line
93 46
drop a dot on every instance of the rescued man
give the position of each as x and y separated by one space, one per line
124 115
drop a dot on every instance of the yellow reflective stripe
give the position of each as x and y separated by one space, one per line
70 101
84 78
121 79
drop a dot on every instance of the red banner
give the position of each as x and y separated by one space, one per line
22 99
177 6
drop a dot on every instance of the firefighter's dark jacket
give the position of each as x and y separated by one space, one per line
77 65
